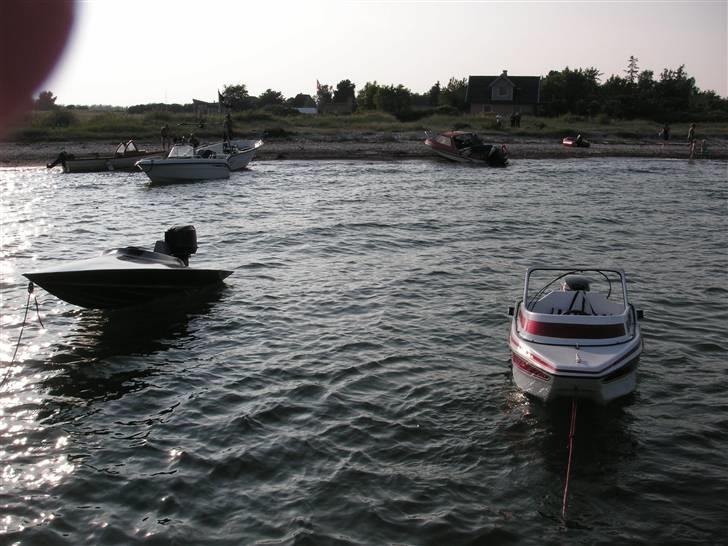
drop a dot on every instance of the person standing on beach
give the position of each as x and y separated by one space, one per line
691 140
227 128
164 133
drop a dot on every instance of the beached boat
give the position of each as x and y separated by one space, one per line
467 147
576 142
183 164
569 341
127 276
237 152
123 159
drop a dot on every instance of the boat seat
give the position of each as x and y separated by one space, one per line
559 302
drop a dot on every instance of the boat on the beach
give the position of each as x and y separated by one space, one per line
123 159
237 152
575 142
569 341
467 147
127 276
184 164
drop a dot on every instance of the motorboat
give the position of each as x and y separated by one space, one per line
123 159
127 276
467 147
237 152
575 142
569 341
184 164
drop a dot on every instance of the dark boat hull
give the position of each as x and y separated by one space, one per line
114 289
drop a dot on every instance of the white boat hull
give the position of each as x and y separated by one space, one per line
172 171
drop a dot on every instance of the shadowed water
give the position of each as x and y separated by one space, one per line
350 384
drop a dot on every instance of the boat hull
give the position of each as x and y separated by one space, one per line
123 288
547 386
123 277
101 164
174 171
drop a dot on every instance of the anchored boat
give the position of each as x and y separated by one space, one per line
183 164
127 276
567 340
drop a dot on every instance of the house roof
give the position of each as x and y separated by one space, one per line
479 88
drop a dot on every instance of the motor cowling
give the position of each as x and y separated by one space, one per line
181 242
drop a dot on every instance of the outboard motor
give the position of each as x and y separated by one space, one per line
181 242
576 282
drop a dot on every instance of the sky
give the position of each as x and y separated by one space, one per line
146 51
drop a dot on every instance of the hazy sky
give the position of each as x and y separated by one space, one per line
142 51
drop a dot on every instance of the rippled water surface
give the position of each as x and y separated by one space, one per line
350 382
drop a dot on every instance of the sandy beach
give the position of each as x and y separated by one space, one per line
383 146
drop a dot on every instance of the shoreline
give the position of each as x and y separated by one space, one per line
379 147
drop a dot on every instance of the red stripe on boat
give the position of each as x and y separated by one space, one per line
570 330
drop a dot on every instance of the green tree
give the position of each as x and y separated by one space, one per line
394 100
366 95
45 101
236 97
434 94
323 95
345 91
454 93
270 97
632 69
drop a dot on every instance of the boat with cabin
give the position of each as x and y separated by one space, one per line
467 147
184 164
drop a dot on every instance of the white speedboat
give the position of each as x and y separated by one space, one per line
567 340
237 152
127 276
183 164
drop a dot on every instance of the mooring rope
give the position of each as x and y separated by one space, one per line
31 286
572 432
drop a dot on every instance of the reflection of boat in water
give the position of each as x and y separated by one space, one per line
466 147
128 276
237 152
123 159
183 164
573 342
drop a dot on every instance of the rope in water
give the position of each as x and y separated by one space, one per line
572 431
31 286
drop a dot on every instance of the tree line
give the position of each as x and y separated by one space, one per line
637 94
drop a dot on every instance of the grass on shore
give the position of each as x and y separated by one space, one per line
81 125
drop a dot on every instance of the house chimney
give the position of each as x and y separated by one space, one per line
505 74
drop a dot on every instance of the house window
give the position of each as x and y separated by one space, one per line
502 91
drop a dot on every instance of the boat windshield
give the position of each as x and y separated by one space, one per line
541 283
131 147
182 150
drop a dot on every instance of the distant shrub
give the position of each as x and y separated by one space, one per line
157 116
604 119
276 132
60 118
447 111
281 110
459 125
413 115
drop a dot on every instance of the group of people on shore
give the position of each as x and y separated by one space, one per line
167 139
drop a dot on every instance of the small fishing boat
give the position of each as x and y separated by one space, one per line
237 152
123 159
467 147
567 340
183 164
127 276
575 142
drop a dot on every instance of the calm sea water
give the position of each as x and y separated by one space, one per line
350 382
